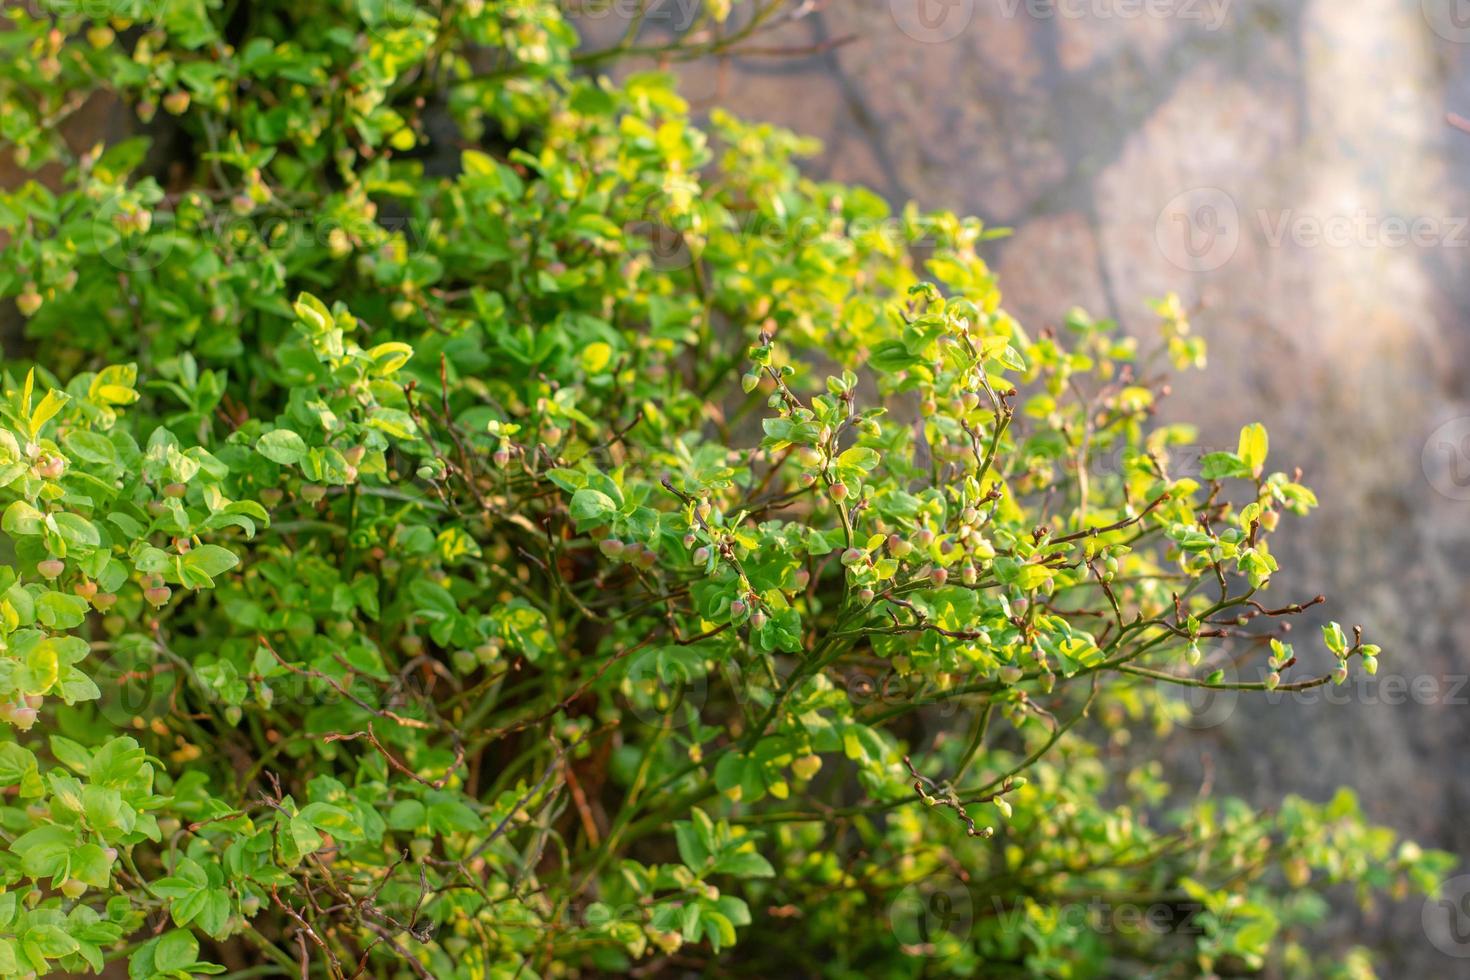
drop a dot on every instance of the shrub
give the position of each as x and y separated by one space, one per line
468 520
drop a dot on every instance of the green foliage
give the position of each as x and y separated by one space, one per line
455 495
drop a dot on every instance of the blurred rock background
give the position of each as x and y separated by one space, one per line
1287 168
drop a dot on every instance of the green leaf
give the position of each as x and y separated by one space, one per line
176 950
1220 466
591 507
744 864
1253 446
313 313
282 446
210 559
46 410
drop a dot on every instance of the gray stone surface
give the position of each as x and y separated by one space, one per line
1300 145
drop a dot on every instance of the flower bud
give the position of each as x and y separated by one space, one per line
1272 680
611 547
865 596
898 547
939 576
737 609
50 467
29 301
701 555
758 619
839 491
1370 664
852 556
